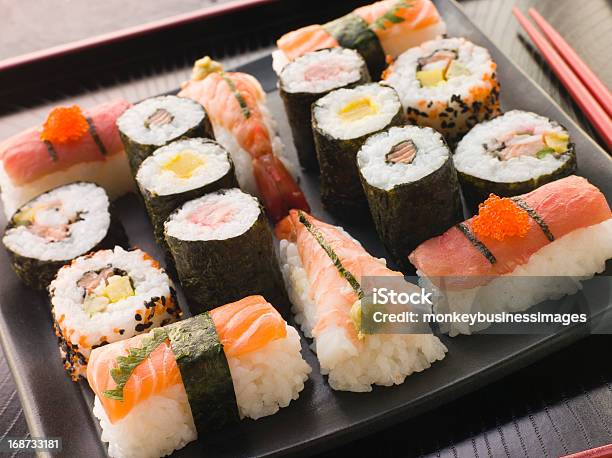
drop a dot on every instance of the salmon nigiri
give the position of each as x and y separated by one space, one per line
236 104
72 144
381 29
519 251
323 268
239 360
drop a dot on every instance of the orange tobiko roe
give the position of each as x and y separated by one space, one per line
64 124
500 218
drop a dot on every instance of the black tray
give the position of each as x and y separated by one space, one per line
55 406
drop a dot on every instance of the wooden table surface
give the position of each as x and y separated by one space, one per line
31 25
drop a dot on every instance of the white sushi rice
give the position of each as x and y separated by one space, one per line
344 66
472 158
186 114
242 210
383 359
67 299
87 201
431 154
153 176
243 161
403 76
326 111
551 273
152 429
264 381
270 378
113 174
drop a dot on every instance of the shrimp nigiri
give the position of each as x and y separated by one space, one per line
323 268
242 123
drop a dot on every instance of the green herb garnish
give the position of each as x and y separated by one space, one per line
544 152
127 364
332 255
391 16
243 105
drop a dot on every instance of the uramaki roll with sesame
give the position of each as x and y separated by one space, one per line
449 84
107 296
518 251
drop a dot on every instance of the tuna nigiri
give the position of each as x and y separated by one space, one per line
72 145
159 391
236 104
560 233
381 29
323 267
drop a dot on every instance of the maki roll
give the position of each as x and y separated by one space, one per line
412 188
58 226
518 251
378 30
73 144
450 85
341 122
182 171
309 78
107 296
513 154
243 124
159 391
323 268
158 121
222 248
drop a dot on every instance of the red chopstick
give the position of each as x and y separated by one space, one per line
599 452
581 95
581 69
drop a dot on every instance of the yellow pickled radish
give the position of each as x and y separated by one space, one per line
184 164
431 78
358 109
118 288
25 216
557 141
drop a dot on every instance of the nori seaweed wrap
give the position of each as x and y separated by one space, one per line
309 78
181 171
204 371
223 250
411 186
157 121
342 121
58 226
512 154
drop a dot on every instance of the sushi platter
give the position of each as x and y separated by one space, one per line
199 255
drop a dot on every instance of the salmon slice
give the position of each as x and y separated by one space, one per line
26 157
417 15
564 205
153 376
247 325
330 290
243 327
309 38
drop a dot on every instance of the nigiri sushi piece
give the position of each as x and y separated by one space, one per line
518 251
236 104
323 267
378 31
72 145
157 392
